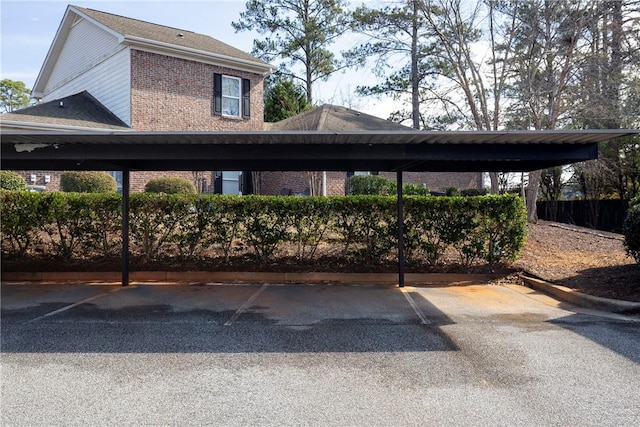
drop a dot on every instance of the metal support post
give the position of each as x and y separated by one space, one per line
125 227
400 230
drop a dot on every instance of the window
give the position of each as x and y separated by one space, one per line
117 175
231 96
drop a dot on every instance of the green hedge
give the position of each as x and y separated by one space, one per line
192 226
10 180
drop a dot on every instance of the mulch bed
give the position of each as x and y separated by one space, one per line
587 260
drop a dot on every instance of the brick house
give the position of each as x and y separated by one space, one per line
107 72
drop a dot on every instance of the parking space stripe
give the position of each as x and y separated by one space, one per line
416 309
75 304
246 305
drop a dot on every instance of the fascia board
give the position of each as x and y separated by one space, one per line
154 46
33 126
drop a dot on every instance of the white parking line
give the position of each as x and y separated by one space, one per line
246 305
75 304
412 303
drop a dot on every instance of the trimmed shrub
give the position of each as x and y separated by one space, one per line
22 217
266 224
156 220
170 185
631 231
366 225
634 202
415 190
473 192
87 182
451 191
10 180
502 224
489 228
310 219
371 185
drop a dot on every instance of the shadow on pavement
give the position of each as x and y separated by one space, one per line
88 328
622 337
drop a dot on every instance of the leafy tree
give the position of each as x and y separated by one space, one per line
284 99
397 35
546 57
608 89
13 95
468 90
299 32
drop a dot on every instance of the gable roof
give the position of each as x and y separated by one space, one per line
329 117
151 37
72 112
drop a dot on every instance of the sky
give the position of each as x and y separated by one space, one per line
27 29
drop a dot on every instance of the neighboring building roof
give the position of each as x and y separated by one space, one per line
76 111
332 117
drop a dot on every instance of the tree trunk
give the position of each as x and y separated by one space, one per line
532 196
495 182
415 83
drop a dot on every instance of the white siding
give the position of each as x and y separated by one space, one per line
93 60
109 82
86 46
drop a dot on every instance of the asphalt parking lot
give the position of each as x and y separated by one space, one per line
268 354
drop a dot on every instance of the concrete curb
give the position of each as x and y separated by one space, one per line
260 277
583 300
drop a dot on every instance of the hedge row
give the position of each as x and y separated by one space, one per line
70 225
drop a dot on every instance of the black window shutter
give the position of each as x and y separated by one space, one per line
217 183
347 186
246 100
217 94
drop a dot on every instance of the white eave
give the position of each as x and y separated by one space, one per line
176 51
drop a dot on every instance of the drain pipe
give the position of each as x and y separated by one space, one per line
324 183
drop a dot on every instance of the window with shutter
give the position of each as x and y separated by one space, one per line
231 96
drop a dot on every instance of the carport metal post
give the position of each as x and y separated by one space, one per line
125 227
400 230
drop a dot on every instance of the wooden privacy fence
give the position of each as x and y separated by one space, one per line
606 215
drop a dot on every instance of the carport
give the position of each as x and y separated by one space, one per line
415 151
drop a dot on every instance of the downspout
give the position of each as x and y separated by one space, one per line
324 183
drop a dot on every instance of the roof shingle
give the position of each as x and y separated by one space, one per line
169 35
335 118
81 110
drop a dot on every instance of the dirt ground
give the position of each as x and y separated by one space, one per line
590 261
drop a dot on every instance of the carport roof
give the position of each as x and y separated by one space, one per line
302 150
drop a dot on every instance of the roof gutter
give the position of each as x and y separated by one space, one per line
13 125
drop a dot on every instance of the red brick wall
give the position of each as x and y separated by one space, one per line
173 94
275 183
176 94
54 179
